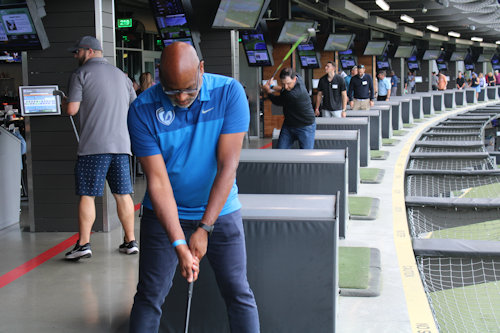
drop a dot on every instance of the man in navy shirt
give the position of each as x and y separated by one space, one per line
361 90
188 132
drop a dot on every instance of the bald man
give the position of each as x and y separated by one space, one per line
188 132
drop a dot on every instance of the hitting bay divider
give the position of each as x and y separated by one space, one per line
293 292
336 139
375 123
296 171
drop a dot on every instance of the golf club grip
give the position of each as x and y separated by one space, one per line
188 307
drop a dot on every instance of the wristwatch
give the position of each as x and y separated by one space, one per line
207 228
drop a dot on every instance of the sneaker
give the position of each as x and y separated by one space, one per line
79 251
129 248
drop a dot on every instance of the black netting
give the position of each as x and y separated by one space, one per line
453 186
452 164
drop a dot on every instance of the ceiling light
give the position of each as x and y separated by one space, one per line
424 9
432 28
407 18
382 4
476 39
498 42
454 34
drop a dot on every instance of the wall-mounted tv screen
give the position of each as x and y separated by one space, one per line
412 66
431 54
346 52
10 57
307 55
495 62
442 66
412 58
457 56
469 67
39 101
404 51
171 21
347 63
375 48
239 14
293 30
339 42
255 48
21 28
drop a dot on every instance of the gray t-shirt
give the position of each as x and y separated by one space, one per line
104 93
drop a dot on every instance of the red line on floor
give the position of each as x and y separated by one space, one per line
19 271
37 261
266 146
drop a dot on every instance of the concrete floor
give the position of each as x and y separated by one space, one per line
96 295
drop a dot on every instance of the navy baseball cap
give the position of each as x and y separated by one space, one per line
361 66
86 42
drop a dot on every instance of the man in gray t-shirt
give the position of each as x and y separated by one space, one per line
101 94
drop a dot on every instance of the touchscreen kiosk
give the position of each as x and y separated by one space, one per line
39 101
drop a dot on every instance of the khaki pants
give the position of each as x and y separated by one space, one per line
361 105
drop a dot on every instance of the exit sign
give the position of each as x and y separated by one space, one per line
124 23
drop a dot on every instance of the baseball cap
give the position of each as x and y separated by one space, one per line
86 42
361 66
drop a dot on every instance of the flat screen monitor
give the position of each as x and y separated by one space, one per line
495 61
431 54
404 51
457 56
346 52
293 30
39 101
10 57
347 63
239 14
255 47
442 66
413 58
171 21
307 55
375 48
384 64
21 28
339 42
469 67
413 66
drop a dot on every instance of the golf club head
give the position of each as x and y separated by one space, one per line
59 93
311 33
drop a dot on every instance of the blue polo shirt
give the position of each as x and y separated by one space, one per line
187 139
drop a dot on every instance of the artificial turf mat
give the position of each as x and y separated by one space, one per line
409 125
428 115
399 132
371 175
488 230
363 208
483 191
379 154
389 142
359 271
419 120
474 308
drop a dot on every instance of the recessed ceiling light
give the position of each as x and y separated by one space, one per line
382 4
476 39
454 34
498 42
433 28
407 18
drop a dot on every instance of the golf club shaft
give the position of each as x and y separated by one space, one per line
188 307
294 46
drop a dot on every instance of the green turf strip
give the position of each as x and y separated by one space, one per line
369 174
389 142
408 125
418 120
377 153
428 115
473 308
360 206
484 191
399 132
354 267
489 230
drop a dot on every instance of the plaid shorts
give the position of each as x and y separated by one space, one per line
91 171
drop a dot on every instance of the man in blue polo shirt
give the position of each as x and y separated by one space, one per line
188 132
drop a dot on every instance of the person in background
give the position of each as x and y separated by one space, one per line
361 90
434 81
145 81
300 121
394 83
497 77
460 81
482 80
384 87
347 79
332 92
411 82
474 83
442 81
188 133
490 79
101 94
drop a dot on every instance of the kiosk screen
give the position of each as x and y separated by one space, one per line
39 101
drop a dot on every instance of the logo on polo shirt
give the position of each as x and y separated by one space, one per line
165 117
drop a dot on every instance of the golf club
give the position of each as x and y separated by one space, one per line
62 95
188 307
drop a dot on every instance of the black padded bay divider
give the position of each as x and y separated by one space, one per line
386 115
295 171
292 263
341 139
406 108
361 124
375 125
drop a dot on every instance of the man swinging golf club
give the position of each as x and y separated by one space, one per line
188 132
